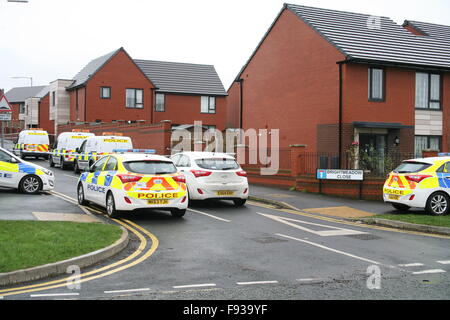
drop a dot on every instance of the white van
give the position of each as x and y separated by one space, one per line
93 148
65 149
32 143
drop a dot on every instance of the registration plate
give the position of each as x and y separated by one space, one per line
158 201
225 193
394 197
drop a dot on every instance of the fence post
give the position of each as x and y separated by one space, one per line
296 151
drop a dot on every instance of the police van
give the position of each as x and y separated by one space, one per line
93 148
64 152
32 143
25 176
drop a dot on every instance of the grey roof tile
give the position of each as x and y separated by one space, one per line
391 42
175 77
435 31
20 94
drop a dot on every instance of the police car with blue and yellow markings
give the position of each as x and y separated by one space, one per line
420 183
25 176
134 179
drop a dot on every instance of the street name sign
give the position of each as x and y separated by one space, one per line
343 175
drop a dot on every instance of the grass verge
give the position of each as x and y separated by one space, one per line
423 219
27 244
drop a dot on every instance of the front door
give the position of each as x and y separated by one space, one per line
373 149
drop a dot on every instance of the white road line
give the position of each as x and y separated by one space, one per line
429 272
63 197
330 249
444 262
70 176
54 295
209 215
129 290
310 280
410 265
195 286
256 282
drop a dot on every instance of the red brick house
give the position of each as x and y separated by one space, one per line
115 88
328 78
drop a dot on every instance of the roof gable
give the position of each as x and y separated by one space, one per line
20 94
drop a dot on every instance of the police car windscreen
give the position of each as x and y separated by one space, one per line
412 167
150 167
217 164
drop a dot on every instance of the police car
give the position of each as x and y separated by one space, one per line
93 148
134 179
32 143
420 183
64 152
25 176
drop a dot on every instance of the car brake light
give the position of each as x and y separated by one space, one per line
241 173
201 173
181 179
127 178
417 178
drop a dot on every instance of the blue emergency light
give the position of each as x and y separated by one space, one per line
147 151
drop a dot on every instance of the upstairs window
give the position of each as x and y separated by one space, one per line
376 85
208 104
428 91
160 102
105 92
135 98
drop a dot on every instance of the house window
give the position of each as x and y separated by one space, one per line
376 85
22 108
105 92
135 98
160 102
53 98
428 91
208 104
427 143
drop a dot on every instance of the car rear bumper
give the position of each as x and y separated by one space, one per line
125 202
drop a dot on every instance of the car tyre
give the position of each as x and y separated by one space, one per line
80 195
438 204
178 213
30 184
76 168
63 165
400 207
239 202
51 163
111 206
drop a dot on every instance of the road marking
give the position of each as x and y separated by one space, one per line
63 197
444 262
311 280
332 233
209 215
410 265
330 249
256 282
71 176
54 295
195 286
129 290
429 271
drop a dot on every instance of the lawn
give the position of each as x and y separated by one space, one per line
422 218
26 244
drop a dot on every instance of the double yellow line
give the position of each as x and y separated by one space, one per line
118 266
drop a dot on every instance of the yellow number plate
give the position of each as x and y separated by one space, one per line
394 197
158 201
225 193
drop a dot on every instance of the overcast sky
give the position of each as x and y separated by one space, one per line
54 39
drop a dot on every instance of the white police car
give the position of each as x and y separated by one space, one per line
25 176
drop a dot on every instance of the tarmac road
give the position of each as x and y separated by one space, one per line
257 252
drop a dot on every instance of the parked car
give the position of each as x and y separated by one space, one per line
420 183
64 152
32 143
213 176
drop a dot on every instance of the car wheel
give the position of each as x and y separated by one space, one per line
438 204
80 195
111 206
400 207
76 168
63 165
30 184
178 213
239 202
51 163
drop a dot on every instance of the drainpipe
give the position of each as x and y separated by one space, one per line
340 115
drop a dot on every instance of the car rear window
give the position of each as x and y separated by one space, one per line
412 167
217 164
150 167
